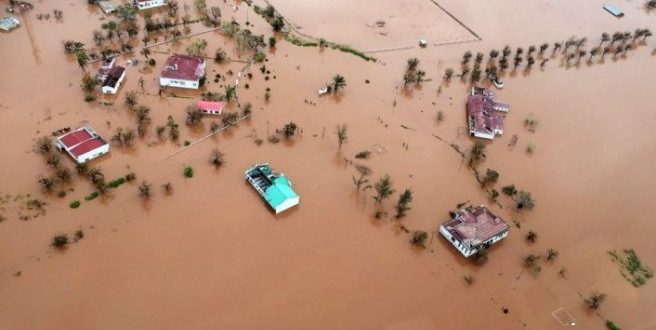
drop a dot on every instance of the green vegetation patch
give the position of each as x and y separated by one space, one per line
117 182
631 267
75 204
612 326
92 196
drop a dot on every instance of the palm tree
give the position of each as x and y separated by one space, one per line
517 62
530 62
506 51
145 52
419 76
403 205
131 99
47 184
82 57
194 116
605 51
503 63
646 33
524 201
593 52
617 36
531 49
556 47
479 58
342 134
595 300
494 53
230 92
552 254
338 82
216 158
477 154
167 188
64 174
604 38
581 53
144 190
543 48
383 189
519 51
362 179
465 57
448 73
413 63
531 236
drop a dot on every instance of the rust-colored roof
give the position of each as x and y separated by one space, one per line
475 225
87 146
482 114
183 67
74 138
210 106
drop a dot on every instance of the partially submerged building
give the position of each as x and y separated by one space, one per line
9 23
209 107
82 144
107 6
111 76
275 188
474 228
183 71
484 114
147 4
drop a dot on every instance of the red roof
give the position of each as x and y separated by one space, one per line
87 146
475 225
184 67
74 138
482 114
207 106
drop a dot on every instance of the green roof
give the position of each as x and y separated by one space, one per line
279 192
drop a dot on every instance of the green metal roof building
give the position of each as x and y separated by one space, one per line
276 189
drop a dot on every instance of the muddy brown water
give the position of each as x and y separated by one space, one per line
213 256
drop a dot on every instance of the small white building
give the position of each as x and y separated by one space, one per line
474 228
107 6
9 23
182 71
82 144
113 80
147 4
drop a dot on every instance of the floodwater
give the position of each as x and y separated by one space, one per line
212 256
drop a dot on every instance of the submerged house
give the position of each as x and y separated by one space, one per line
484 114
147 4
183 71
9 23
275 188
82 144
107 6
210 108
111 76
474 228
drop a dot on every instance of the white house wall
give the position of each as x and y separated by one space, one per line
180 83
290 202
83 158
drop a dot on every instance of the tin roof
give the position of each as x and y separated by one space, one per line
279 192
475 225
184 67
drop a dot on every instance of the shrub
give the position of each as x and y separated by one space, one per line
272 41
152 62
60 241
259 57
188 172
289 129
363 154
117 182
130 177
79 234
419 238
92 196
75 204
611 326
509 190
524 200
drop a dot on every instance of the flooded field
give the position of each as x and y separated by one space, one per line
213 256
